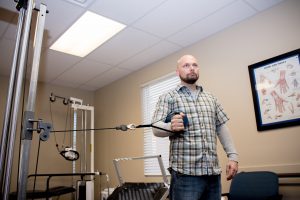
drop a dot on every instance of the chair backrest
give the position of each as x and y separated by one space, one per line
254 185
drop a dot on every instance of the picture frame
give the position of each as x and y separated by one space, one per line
275 85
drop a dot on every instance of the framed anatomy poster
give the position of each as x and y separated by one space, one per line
275 85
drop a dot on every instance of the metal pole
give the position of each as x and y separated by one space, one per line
92 146
26 136
74 144
9 100
13 125
83 143
162 169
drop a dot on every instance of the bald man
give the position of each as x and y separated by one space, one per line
193 119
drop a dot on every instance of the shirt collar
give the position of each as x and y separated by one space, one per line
180 87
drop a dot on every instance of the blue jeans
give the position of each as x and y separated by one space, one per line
185 187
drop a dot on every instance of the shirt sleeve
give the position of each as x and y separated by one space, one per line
221 117
227 142
162 133
160 114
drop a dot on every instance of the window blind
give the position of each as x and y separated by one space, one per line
155 145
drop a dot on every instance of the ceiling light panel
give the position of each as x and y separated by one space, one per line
86 34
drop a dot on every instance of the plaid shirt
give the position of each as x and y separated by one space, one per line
195 152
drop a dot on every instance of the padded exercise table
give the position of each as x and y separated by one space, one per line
137 190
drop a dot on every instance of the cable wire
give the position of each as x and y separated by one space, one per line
36 165
113 128
66 124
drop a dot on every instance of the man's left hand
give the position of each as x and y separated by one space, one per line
231 169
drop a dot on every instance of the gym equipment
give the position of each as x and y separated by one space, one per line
137 190
14 95
58 190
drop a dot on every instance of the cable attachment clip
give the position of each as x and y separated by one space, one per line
43 128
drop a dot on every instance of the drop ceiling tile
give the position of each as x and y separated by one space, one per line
65 83
6 55
6 18
108 77
11 31
158 51
123 46
60 17
84 71
3 27
88 88
175 15
54 63
124 11
7 4
82 3
224 18
262 5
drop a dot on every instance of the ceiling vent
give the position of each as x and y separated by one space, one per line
82 3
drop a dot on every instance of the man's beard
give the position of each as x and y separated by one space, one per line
189 79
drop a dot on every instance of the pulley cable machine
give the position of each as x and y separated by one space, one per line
85 112
25 8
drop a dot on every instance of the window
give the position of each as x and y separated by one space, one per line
155 145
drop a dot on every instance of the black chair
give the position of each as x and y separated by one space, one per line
257 185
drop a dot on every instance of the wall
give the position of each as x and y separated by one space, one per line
224 59
49 160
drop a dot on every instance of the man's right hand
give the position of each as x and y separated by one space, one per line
177 122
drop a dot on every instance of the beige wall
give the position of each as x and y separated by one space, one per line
224 59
